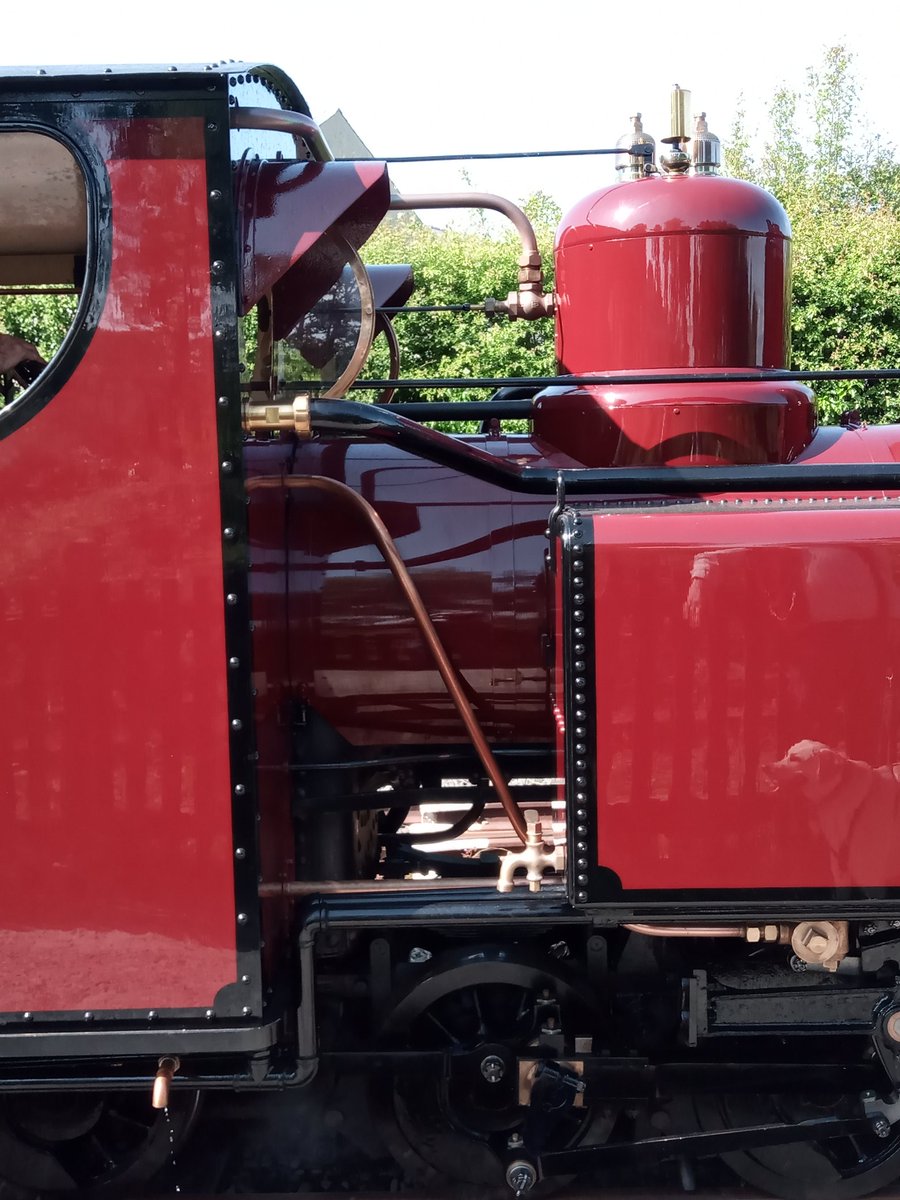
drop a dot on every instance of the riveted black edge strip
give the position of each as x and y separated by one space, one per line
244 998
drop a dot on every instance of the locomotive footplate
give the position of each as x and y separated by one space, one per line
723 720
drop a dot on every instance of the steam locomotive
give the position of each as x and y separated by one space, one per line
541 786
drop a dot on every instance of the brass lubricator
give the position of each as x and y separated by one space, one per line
166 1069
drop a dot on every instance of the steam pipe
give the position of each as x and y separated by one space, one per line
386 545
530 301
499 204
280 120
342 418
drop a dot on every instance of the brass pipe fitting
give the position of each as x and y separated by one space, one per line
821 943
167 1067
535 857
294 417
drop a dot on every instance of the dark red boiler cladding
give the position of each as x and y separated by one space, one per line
673 271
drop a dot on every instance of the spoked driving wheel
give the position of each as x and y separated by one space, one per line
838 1169
479 1014
88 1144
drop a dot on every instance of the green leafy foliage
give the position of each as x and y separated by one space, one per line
41 320
841 187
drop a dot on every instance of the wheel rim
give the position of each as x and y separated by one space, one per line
837 1169
88 1142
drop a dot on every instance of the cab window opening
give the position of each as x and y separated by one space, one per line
43 254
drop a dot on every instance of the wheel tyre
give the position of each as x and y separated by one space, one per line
803 1171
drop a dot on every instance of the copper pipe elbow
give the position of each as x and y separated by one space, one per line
163 1081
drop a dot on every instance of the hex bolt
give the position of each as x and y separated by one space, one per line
493 1068
419 954
881 1126
521 1177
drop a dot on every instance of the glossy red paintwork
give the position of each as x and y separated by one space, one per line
667 425
745 703
117 889
285 211
476 553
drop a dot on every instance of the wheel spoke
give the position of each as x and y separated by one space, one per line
482 1030
116 1116
454 1041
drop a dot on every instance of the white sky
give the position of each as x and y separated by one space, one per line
426 77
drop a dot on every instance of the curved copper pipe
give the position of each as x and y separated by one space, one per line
499 204
385 544
280 120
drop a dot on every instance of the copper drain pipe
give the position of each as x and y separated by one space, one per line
763 932
683 931
385 544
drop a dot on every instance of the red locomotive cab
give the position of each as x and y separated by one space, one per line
665 274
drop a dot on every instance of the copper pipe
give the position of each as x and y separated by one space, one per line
386 545
684 931
280 120
166 1069
499 204
341 887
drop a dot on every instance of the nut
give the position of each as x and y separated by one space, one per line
892 1026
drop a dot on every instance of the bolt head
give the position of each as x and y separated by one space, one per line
493 1068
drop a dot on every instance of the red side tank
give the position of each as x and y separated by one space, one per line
670 273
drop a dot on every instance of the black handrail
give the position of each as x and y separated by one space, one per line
351 418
